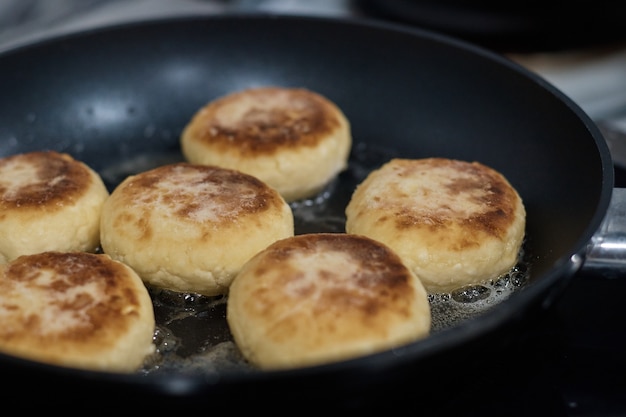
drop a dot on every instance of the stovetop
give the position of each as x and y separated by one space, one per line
570 361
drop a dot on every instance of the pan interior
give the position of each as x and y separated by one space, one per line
118 99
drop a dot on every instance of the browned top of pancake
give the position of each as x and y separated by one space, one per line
491 201
200 194
264 120
74 301
38 179
327 276
435 194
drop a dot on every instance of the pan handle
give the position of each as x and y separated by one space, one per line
606 251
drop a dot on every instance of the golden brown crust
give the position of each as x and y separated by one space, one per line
190 228
48 201
317 298
293 139
453 222
377 280
191 193
468 194
269 120
47 178
75 309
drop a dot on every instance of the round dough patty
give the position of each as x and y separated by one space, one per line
190 228
454 223
318 298
293 139
48 201
77 309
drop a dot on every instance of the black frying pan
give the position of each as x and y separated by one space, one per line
113 95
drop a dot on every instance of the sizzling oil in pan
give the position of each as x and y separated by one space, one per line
192 334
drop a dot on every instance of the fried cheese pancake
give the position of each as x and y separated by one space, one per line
319 298
75 309
48 201
293 139
454 223
190 228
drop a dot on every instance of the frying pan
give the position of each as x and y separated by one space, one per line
110 96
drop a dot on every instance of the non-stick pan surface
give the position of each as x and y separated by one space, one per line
120 96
